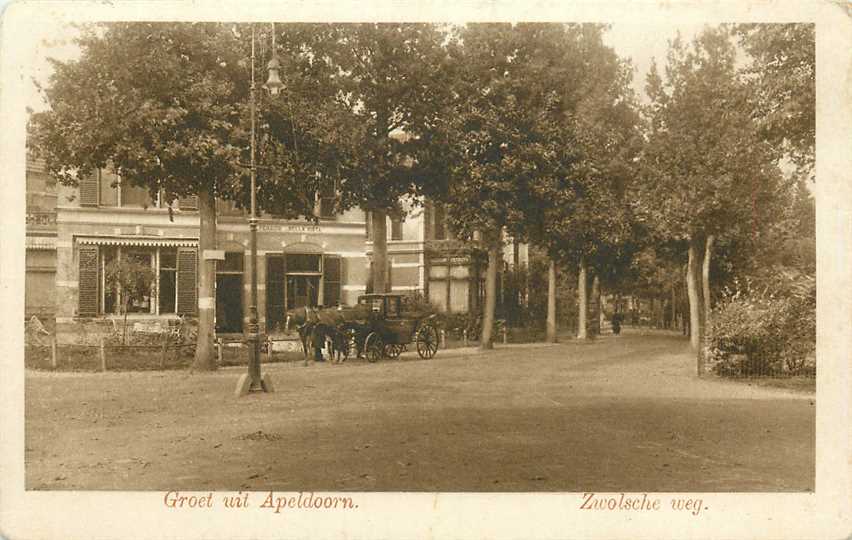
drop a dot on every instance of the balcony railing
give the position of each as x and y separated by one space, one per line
41 219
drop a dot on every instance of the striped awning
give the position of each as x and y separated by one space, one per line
137 241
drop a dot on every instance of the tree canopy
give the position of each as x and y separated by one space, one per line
705 168
782 74
158 102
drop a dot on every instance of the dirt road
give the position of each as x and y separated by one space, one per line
620 414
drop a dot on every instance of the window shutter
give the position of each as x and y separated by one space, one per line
87 298
332 270
89 189
187 270
188 203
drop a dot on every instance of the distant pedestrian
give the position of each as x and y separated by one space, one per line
616 323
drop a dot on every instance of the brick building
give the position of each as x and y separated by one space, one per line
73 234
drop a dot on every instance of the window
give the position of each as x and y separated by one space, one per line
173 290
109 192
393 306
104 188
328 200
135 196
395 230
140 302
396 227
233 262
298 263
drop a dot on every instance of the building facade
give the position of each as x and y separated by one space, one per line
40 242
73 234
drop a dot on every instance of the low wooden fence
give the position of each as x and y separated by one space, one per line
234 352
108 357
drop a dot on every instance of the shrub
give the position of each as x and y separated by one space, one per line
762 331
418 304
455 325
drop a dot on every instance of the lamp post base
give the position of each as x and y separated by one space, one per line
244 386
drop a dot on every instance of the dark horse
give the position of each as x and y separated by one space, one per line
316 331
317 335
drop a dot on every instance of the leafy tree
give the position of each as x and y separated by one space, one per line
159 103
131 278
539 115
497 146
167 105
388 82
706 169
310 135
580 215
782 75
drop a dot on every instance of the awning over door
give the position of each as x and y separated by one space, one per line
137 241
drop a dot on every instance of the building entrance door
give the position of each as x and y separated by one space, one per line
302 291
229 294
229 304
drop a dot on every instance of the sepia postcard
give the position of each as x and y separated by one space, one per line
426 270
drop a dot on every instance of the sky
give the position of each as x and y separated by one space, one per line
638 42
646 41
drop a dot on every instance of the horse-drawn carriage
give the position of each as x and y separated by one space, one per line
388 330
379 326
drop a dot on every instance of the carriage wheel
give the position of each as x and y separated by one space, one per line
427 342
393 350
374 347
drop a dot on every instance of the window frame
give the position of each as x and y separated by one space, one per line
156 266
396 228
157 202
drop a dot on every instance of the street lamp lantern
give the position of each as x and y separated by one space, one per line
273 83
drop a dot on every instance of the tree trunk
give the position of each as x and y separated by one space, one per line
582 301
687 331
595 314
380 251
490 296
695 301
516 283
705 275
674 307
551 302
204 350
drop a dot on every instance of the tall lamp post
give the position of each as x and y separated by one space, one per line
253 381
